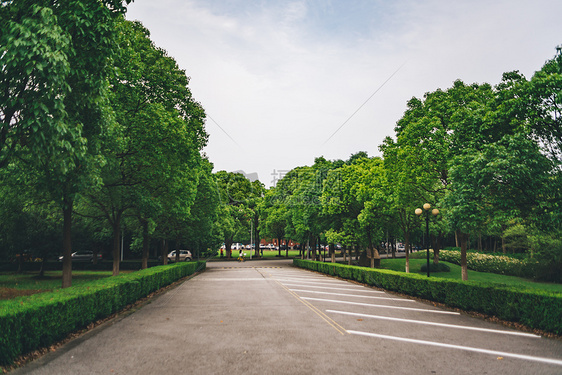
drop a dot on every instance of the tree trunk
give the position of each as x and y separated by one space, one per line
164 252
257 236
407 250
67 242
43 264
373 252
463 237
333 253
456 240
504 248
279 247
177 250
436 248
228 248
95 252
116 238
145 244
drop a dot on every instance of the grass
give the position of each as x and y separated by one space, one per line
267 254
22 284
415 266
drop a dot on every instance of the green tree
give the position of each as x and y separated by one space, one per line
155 143
49 48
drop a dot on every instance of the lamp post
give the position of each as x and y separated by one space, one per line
434 212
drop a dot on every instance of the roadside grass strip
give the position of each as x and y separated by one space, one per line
336 288
515 333
381 306
351 295
551 361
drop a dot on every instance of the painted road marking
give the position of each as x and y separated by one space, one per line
230 279
516 333
551 361
382 306
312 282
336 288
351 295
316 310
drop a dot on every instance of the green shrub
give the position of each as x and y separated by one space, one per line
439 267
28 323
499 264
536 309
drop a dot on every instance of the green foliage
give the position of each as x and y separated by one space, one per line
29 323
503 265
536 309
439 267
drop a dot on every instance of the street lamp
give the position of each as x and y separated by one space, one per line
434 212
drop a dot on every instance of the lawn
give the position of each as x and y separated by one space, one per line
22 284
415 266
267 254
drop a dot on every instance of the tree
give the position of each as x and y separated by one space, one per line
238 203
353 199
156 139
201 232
53 48
273 219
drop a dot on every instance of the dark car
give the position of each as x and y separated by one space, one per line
82 256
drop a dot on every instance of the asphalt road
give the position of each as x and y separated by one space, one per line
266 317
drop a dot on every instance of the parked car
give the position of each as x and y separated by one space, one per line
185 255
82 256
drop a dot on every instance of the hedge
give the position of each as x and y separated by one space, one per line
39 320
535 309
104 265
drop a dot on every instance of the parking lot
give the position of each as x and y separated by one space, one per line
268 317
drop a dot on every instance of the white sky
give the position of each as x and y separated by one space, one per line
280 77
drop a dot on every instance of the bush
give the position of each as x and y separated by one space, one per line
440 267
28 323
105 265
536 309
500 264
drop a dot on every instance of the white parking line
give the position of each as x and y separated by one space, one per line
516 333
297 275
316 280
229 279
381 306
365 290
351 295
311 282
459 347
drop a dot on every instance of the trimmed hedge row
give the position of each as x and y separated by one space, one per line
105 265
29 323
536 309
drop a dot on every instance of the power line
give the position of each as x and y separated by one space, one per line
361 106
224 131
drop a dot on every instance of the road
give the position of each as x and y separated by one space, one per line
266 317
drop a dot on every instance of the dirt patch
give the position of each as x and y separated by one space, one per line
9 293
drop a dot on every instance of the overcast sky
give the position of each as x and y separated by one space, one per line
278 78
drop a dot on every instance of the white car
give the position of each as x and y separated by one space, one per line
185 255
